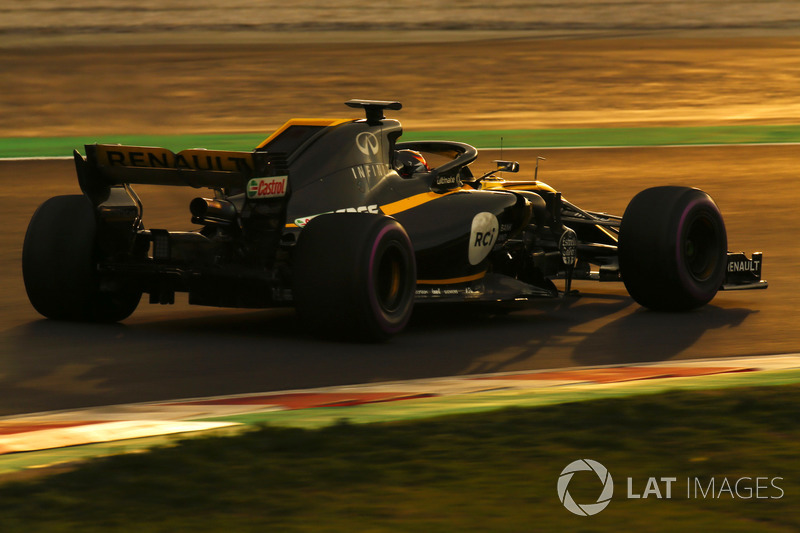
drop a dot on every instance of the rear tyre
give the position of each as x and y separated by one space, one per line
672 248
354 276
59 265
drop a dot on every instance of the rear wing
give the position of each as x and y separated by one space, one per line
111 167
113 164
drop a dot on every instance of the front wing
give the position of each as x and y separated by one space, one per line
742 273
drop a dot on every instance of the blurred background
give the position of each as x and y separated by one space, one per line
92 67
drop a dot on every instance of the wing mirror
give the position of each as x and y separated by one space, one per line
507 166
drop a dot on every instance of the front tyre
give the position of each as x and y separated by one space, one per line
354 276
59 265
672 248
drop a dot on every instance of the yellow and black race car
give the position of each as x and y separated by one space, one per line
341 220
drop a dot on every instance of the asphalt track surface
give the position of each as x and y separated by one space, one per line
184 351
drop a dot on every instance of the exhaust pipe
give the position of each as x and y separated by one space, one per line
208 211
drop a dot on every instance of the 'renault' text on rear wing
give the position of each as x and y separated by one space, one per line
109 165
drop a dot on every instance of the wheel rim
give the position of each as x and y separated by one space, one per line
390 281
701 249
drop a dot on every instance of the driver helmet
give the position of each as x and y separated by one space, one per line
409 162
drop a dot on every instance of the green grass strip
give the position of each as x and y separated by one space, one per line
540 138
481 402
494 471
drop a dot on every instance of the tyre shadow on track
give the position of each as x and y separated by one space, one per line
56 365
645 335
49 364
596 330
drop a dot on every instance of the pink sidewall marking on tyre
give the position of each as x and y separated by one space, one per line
373 297
688 281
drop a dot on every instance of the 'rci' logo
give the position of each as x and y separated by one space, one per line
587 509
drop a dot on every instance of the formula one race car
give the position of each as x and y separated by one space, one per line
352 227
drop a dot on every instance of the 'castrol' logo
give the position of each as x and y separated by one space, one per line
482 237
259 188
